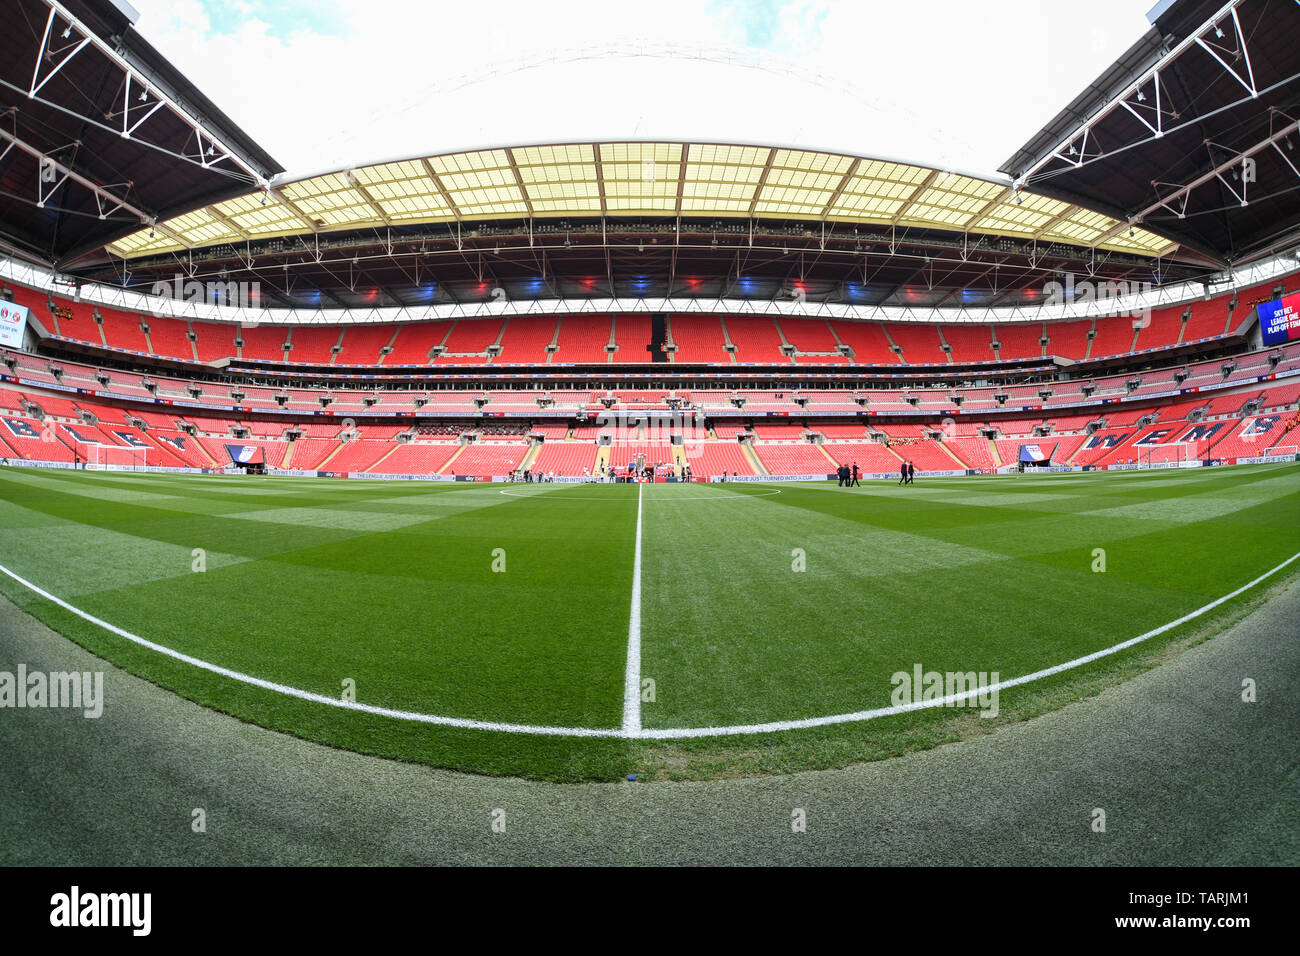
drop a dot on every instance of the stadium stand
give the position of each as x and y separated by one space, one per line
969 343
313 344
1019 340
920 343
263 343
716 458
1206 319
120 392
867 340
414 343
468 340
632 337
565 458
170 338
1067 339
756 341
871 457
808 335
361 344
801 459
1114 336
525 339
487 460
699 339
214 340
359 455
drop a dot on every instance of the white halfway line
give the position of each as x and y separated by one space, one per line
632 676
640 733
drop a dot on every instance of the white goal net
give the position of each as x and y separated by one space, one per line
1180 454
112 457
1173 453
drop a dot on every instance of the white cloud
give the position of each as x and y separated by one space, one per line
952 83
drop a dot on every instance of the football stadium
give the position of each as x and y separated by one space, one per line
608 468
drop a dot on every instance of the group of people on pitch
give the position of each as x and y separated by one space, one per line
849 476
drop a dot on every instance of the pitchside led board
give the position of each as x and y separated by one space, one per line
13 322
1280 320
1036 454
242 454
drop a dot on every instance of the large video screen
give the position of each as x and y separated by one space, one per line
13 322
1280 319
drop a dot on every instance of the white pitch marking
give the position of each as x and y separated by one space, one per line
632 676
640 734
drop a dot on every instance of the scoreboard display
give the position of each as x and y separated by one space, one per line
13 322
1279 320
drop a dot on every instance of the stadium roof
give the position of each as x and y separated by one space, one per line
99 133
650 179
1163 137
150 179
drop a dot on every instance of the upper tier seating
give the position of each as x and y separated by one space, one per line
313 344
213 340
170 337
415 341
1162 328
468 341
525 339
920 343
583 338
1207 319
970 343
264 343
361 344
1019 340
1114 336
1067 339
699 339
809 335
867 340
632 336
756 339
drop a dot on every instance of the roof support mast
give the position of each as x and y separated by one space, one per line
1073 148
211 150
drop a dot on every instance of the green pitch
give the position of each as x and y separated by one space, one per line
509 610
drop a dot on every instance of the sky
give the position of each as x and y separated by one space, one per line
323 84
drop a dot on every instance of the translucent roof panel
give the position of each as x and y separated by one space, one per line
262 215
728 180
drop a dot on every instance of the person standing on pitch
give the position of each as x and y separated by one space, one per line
911 472
856 475
902 473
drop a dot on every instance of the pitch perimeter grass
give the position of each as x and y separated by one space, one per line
759 602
